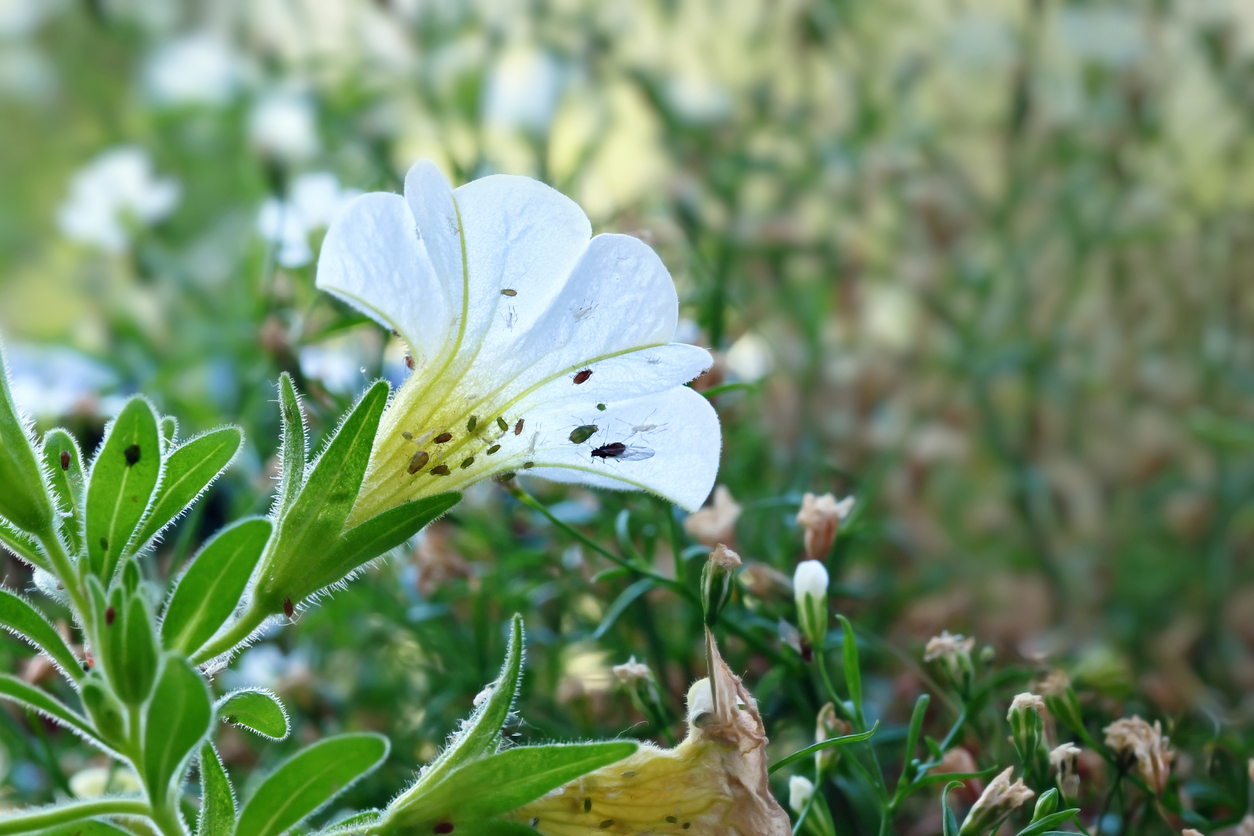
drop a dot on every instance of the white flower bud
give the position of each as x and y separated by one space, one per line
998 801
809 584
800 791
1063 759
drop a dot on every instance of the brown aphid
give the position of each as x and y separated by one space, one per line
288 609
582 377
409 362
109 616
509 291
65 460
440 470
443 827
518 427
419 461
443 437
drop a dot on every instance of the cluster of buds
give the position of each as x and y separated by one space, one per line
995 804
1133 739
954 654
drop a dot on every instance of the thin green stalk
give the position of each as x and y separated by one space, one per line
238 632
27 822
52 544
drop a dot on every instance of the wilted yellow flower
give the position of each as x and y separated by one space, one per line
714 783
1132 737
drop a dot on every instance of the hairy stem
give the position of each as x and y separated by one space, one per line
28 822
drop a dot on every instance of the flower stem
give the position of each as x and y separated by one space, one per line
52 544
71 812
238 632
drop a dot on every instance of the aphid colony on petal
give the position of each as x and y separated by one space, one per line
505 300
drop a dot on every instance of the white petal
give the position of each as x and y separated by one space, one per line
372 259
430 200
684 438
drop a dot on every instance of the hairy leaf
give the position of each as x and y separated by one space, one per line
123 479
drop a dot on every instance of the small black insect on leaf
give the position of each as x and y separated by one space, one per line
132 454
288 609
65 460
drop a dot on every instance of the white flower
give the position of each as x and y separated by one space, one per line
535 346
800 791
54 381
750 358
112 195
197 69
809 586
810 579
522 90
283 125
316 200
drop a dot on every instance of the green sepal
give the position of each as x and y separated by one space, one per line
15 690
128 647
169 429
217 798
481 733
178 718
1047 824
23 546
853 668
190 469
84 827
257 710
308 780
67 483
20 617
107 714
303 562
949 822
24 498
496 784
294 450
211 588
123 479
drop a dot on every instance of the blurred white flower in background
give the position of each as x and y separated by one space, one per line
55 381
339 362
20 18
315 200
750 358
115 194
196 69
522 90
284 125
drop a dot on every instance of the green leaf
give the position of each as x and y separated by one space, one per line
497 784
481 733
23 499
356 824
309 533
308 780
128 647
379 535
64 465
256 709
189 470
824 744
169 428
620 605
84 827
853 669
179 717
123 479
23 546
217 799
1046 824
18 616
950 823
15 690
211 588
912 736
294 450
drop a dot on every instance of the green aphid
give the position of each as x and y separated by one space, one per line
472 423
601 407
468 462
500 422
581 434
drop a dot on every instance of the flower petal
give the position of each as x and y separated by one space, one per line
683 437
372 259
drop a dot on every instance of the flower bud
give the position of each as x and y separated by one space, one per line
1061 700
800 791
1063 759
827 726
1045 805
1133 739
1026 726
954 654
821 518
716 582
995 804
642 689
809 586
23 497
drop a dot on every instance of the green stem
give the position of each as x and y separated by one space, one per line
52 544
238 632
66 813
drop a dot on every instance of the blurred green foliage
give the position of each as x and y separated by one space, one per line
986 265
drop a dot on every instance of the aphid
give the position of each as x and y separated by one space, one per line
582 377
288 609
531 448
419 461
584 311
587 805
619 450
528 465
409 362
507 476
581 434
109 616
467 462
104 543
518 427
500 422
606 825
508 291
407 435
472 423
440 470
132 454
654 360
645 427
601 407
443 827
493 449
443 437
65 460
511 319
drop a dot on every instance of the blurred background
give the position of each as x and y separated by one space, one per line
987 266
